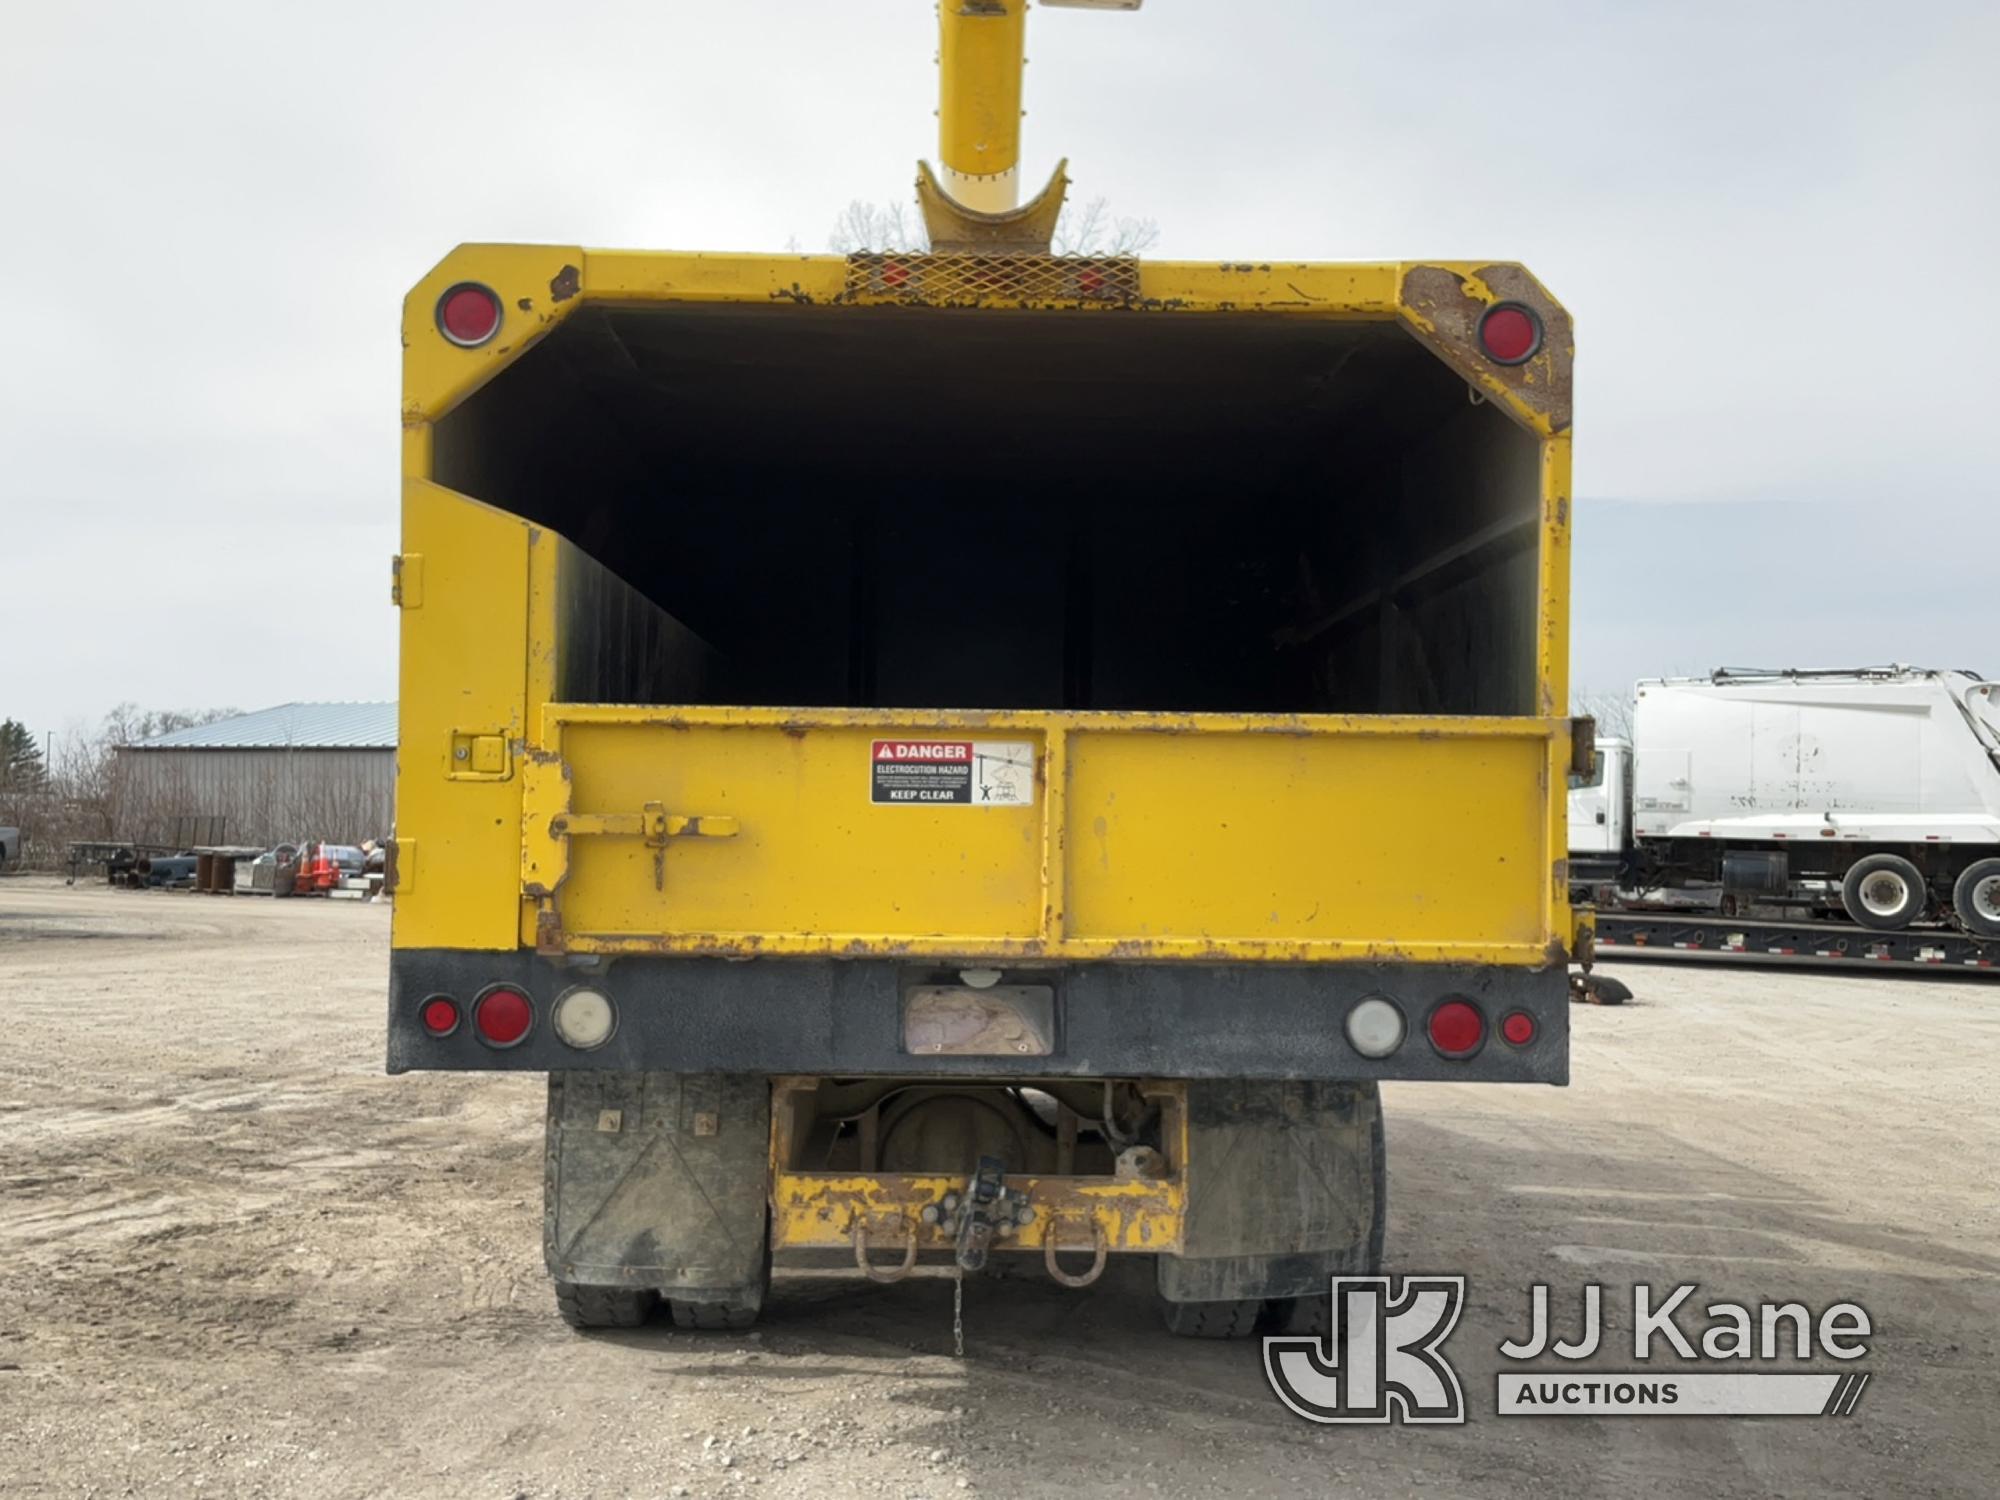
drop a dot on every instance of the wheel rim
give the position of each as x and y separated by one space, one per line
1986 898
1884 893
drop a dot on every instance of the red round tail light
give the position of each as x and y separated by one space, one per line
440 1015
503 1016
1518 1027
468 314
1510 333
895 274
1457 1028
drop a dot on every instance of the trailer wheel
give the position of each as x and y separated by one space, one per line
1314 1315
1883 891
1976 897
585 1307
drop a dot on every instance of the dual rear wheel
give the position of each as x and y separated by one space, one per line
1887 892
1884 892
593 1307
1976 897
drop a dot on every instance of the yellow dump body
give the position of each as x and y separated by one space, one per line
983 610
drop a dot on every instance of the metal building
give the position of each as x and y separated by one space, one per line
300 771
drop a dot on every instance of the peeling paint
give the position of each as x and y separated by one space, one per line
1443 306
821 1210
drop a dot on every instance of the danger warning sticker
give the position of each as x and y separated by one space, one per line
965 773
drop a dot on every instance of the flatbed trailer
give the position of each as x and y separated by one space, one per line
1776 940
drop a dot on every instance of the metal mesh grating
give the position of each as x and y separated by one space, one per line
957 277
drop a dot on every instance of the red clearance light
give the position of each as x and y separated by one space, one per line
503 1016
1510 333
895 274
1518 1028
468 314
440 1015
1457 1028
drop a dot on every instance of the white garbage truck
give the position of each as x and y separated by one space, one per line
1871 794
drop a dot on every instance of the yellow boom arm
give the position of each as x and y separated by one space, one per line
981 53
980 61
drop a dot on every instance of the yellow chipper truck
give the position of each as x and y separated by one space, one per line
979 751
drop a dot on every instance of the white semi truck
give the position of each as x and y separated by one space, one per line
1871 794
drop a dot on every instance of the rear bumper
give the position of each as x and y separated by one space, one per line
844 1018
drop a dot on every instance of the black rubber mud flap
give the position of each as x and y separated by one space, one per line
1286 1184
659 1181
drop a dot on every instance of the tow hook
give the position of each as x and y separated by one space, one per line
988 1208
1100 1249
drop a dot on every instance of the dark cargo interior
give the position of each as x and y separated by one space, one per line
898 507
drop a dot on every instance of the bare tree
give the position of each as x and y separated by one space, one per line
1613 711
80 793
876 229
1090 228
127 724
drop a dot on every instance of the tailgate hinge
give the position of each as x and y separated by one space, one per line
1582 745
406 580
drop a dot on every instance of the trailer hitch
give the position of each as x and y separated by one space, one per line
987 1209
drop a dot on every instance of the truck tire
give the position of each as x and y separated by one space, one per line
1884 891
731 1310
1212 1320
1976 898
1314 1315
587 1307
714 1316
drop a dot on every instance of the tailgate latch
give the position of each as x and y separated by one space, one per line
654 824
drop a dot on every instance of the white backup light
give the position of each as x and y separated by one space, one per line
1374 1027
585 1019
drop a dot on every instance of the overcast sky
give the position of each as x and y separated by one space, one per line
1773 222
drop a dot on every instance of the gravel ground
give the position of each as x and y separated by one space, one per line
235 1259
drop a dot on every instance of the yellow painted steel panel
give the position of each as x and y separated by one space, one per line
1190 878
1376 840
819 1211
539 285
812 854
1151 836
464 673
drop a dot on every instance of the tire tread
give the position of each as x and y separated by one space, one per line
589 1307
713 1316
1212 1320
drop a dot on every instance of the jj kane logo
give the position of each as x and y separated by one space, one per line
1382 1358
1380 1361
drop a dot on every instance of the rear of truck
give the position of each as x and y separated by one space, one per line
968 752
